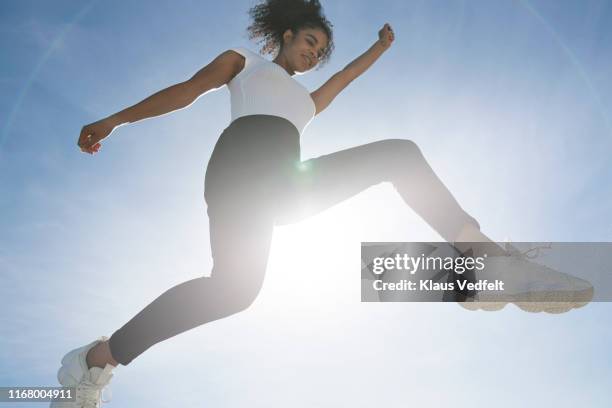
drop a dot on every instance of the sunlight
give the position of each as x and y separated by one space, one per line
315 265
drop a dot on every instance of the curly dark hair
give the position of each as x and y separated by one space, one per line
272 18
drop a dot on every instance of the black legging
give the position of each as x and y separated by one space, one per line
255 180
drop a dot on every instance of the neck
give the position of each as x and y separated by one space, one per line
282 62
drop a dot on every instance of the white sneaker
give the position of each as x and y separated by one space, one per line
531 286
88 382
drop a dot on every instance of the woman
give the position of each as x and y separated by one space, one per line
255 179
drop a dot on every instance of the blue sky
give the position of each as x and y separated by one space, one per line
510 101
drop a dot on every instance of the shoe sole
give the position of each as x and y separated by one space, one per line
548 302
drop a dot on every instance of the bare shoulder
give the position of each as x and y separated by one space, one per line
234 59
217 73
230 62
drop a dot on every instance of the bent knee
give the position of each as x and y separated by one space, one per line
399 152
245 301
238 294
403 145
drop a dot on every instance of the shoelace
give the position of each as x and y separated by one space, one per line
91 394
512 251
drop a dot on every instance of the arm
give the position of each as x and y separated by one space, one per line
323 96
213 76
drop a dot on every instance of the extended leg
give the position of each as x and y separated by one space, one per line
328 180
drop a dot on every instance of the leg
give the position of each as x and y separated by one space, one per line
240 243
240 186
327 180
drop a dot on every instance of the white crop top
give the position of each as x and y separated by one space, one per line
264 87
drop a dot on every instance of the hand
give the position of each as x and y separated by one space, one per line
93 134
386 36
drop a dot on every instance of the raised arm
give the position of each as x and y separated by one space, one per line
323 96
213 76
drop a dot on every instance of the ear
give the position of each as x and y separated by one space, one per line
287 36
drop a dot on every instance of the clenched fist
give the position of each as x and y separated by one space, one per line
386 36
93 134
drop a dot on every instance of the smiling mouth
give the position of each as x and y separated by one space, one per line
307 60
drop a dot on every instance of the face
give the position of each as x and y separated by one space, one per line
304 48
